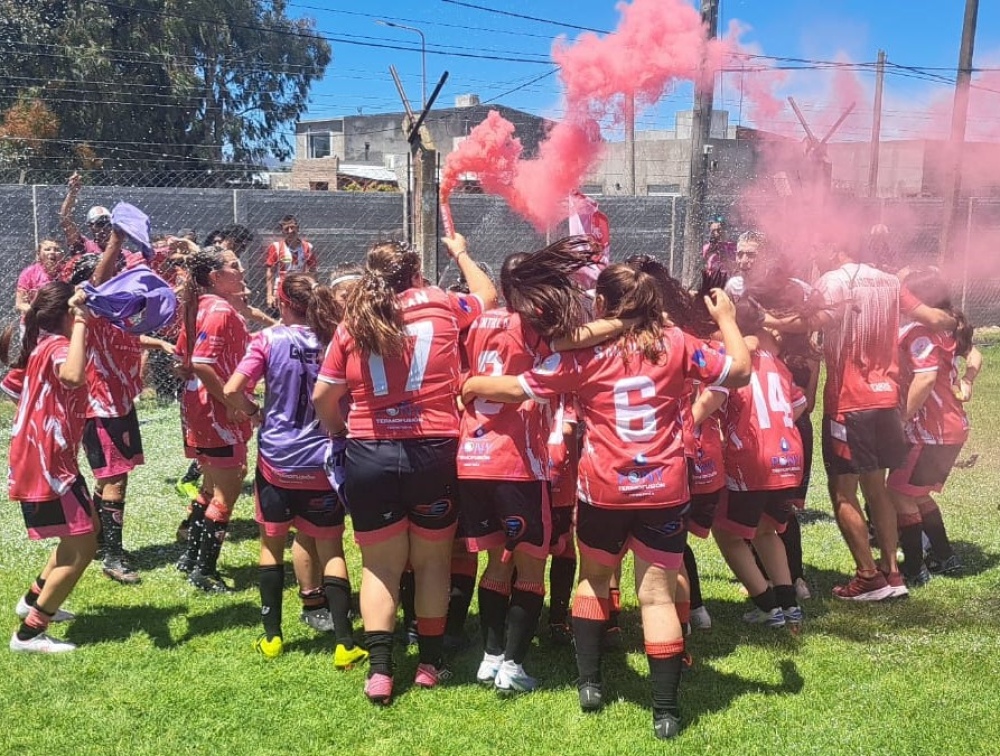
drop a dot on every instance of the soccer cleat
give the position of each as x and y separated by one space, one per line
118 569
378 689
183 529
185 563
701 619
210 582
270 648
188 490
41 644
488 668
319 619
898 585
22 609
802 592
561 635
773 619
429 676
347 658
946 567
513 679
666 726
591 697
922 578
858 588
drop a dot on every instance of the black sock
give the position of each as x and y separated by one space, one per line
694 581
31 596
462 588
379 645
936 533
28 629
112 521
562 573
522 622
272 583
765 601
784 596
193 472
588 635
792 538
338 598
912 542
665 675
407 598
98 505
616 607
493 607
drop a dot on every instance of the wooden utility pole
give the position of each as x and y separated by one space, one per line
876 126
959 116
701 127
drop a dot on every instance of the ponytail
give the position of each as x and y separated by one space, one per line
373 315
47 313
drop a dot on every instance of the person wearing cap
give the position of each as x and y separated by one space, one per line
290 254
98 220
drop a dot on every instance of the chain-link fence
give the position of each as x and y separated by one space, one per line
341 225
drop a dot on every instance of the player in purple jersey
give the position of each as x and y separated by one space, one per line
291 487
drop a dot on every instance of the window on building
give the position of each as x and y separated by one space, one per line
592 189
319 145
655 190
319 186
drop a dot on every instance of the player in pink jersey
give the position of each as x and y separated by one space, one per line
763 462
291 487
215 429
936 427
45 441
632 485
396 353
48 259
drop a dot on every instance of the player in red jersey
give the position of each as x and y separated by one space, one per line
632 476
289 254
763 461
936 427
45 441
215 430
396 353
564 454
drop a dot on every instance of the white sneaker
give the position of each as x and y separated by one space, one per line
22 609
41 644
701 619
802 592
319 620
513 679
774 618
488 668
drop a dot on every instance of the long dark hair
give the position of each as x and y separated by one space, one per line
47 313
927 285
310 301
676 299
537 285
374 317
630 293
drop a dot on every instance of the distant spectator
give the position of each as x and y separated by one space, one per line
236 237
290 254
718 252
98 220
45 268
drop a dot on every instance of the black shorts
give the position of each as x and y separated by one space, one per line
656 535
926 470
313 513
562 529
701 514
805 426
863 441
113 445
395 485
69 515
514 514
741 512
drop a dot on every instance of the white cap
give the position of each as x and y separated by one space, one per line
97 212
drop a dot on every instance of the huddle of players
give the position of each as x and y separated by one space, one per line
658 382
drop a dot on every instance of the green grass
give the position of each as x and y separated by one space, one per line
164 670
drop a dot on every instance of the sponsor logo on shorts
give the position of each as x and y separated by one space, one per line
514 527
437 509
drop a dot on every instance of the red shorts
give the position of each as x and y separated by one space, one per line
926 469
113 445
224 457
69 515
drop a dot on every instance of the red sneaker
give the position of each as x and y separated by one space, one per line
860 588
898 585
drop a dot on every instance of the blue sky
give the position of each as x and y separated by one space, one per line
918 33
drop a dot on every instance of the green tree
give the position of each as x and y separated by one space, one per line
166 85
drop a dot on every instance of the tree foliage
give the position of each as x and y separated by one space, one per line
161 84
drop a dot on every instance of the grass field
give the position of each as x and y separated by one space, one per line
163 669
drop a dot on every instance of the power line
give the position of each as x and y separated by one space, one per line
528 18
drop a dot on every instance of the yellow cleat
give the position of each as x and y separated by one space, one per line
270 648
346 658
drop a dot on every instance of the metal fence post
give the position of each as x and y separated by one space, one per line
34 212
965 252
